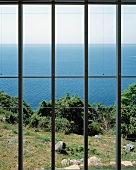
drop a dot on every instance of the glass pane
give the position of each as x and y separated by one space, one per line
69 122
69 40
37 40
8 87
37 123
128 86
8 123
102 40
102 90
8 40
128 40
128 122
102 122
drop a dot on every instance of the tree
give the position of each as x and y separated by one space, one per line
71 108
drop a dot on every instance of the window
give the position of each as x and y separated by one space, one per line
67 63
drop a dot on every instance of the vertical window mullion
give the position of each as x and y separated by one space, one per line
118 90
20 83
86 87
53 86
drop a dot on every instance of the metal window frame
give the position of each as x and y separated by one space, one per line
118 76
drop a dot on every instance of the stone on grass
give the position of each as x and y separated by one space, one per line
75 162
112 163
60 146
65 162
97 137
128 147
94 160
127 163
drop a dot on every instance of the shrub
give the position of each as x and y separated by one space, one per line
62 125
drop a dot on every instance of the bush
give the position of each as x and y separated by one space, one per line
94 128
62 125
35 119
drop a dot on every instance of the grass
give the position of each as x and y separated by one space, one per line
37 148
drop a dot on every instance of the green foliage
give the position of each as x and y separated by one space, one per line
44 108
100 118
71 108
9 107
34 121
128 110
92 150
69 114
77 151
14 130
62 125
129 95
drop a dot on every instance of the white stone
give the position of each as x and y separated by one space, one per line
94 160
59 146
65 162
127 163
112 163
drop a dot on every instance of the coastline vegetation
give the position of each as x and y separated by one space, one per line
69 116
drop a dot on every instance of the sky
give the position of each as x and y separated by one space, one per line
69 26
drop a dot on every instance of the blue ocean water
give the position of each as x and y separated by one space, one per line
69 62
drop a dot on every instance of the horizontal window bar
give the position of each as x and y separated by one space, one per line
67 77
68 2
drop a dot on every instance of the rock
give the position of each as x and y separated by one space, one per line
131 146
127 163
97 137
112 163
76 167
75 162
128 147
94 160
12 140
65 162
60 147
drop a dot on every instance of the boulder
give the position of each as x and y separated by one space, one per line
65 162
127 163
97 137
129 147
94 160
75 162
112 163
60 147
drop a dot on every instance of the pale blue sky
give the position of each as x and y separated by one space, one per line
69 24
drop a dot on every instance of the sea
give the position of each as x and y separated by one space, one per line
69 61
